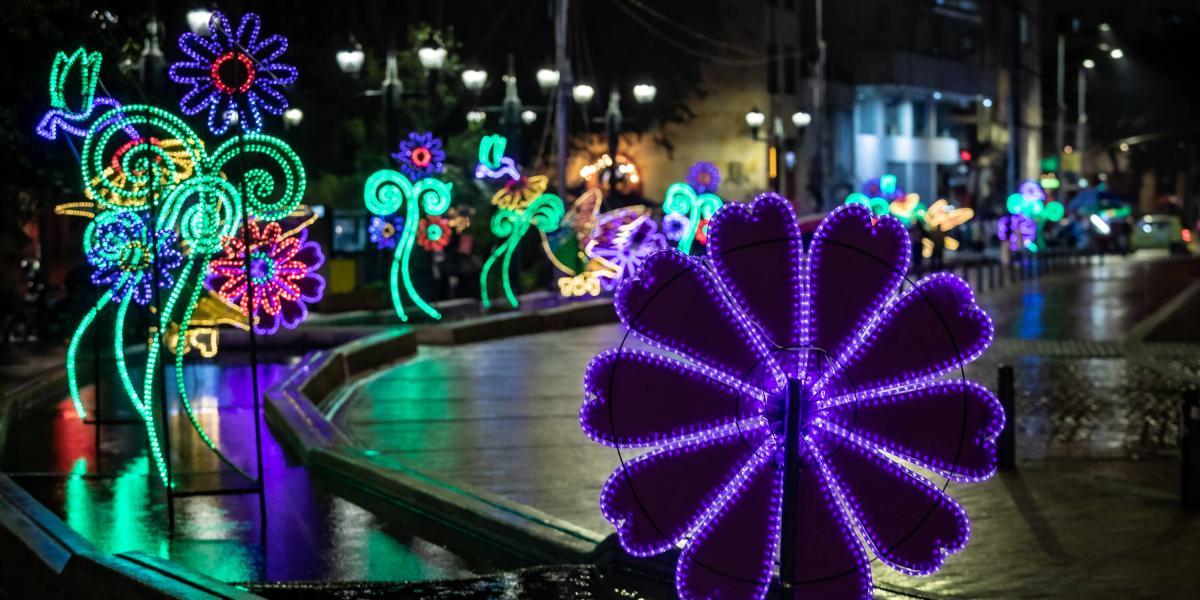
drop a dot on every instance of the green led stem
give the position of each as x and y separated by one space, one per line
545 213
73 350
386 192
682 199
119 352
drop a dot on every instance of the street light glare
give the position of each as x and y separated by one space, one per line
474 79
801 119
198 19
1089 63
644 93
987 102
432 58
583 93
1105 27
293 116
476 117
1124 147
528 117
1116 53
547 79
755 118
350 61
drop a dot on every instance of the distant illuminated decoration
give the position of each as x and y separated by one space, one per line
387 192
1029 203
596 173
684 200
764 462
420 155
623 248
704 177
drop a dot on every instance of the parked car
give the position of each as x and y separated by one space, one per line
1163 232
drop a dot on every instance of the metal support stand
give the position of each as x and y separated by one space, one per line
793 421
1006 444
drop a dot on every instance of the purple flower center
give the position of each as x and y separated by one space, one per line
262 268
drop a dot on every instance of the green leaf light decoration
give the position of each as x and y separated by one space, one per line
545 213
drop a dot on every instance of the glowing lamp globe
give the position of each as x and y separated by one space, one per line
583 93
755 118
801 119
474 80
431 56
293 116
198 19
528 117
644 93
547 79
350 61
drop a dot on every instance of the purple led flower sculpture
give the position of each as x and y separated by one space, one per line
809 381
704 177
233 71
420 155
129 258
384 231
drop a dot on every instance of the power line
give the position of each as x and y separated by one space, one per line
685 29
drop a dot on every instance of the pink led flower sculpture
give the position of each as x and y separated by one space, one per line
420 156
777 449
434 233
233 71
283 271
704 177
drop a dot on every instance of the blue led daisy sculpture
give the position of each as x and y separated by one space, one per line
776 438
233 72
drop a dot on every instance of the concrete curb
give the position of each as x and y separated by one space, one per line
474 521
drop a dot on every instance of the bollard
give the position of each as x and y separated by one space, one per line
1189 450
1006 444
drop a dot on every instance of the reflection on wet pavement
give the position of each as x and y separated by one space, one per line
311 534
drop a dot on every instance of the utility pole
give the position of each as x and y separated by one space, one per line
565 81
1014 95
1060 114
1081 124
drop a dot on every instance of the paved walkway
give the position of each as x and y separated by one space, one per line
1093 511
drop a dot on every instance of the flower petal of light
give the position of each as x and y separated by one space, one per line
756 250
948 426
911 525
637 399
855 263
675 302
934 327
733 553
657 498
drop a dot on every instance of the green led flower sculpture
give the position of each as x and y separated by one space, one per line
544 213
386 193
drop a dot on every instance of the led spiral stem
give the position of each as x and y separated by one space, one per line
73 350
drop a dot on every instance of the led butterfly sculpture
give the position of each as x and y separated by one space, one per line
686 213
522 203
777 444
417 193
164 211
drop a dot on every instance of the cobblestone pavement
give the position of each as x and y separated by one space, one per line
1092 511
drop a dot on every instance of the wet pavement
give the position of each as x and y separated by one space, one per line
114 500
1092 512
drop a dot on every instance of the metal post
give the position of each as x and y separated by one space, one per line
1189 450
1081 123
1014 95
793 421
1060 88
564 89
1006 445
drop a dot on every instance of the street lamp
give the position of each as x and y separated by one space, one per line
528 117
198 19
986 102
644 93
476 117
755 119
292 116
431 55
350 60
801 119
583 93
1089 63
547 79
1116 53
474 80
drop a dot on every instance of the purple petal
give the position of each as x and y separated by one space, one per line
247 33
949 426
934 327
309 253
200 96
655 499
733 555
200 49
854 266
267 323
829 560
312 287
911 524
756 249
269 99
639 399
675 301
266 51
292 313
277 74
194 73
